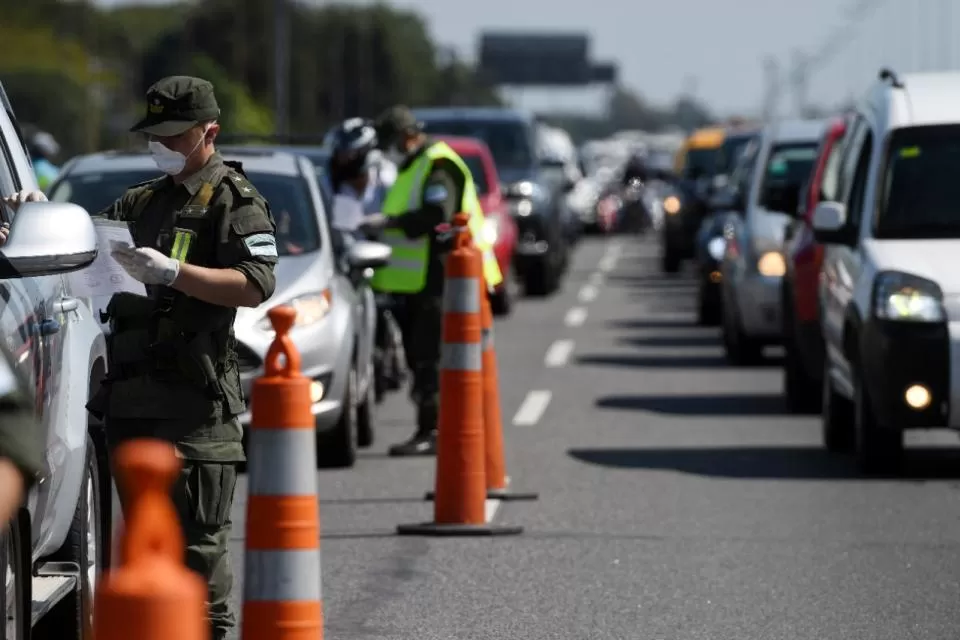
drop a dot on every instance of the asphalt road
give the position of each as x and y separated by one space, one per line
677 500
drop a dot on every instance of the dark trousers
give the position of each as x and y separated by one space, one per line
421 322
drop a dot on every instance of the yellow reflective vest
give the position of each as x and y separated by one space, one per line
407 270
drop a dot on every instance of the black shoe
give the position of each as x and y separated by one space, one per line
418 445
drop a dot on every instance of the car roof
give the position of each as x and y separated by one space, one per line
256 161
706 138
504 114
925 98
462 143
797 130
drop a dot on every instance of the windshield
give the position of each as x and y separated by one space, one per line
507 139
475 164
730 151
288 196
701 163
920 193
788 165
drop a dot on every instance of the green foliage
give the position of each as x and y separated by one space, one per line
240 112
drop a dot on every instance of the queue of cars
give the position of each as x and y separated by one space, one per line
838 239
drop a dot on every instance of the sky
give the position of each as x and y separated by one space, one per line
713 49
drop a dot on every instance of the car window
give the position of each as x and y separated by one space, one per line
920 192
475 163
289 198
508 140
730 152
787 164
830 179
701 163
858 185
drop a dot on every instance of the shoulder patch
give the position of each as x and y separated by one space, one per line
242 187
261 244
435 194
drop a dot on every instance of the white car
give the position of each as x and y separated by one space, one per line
890 280
770 173
58 542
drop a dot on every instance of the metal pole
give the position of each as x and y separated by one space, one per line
281 66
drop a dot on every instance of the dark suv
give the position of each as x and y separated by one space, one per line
534 200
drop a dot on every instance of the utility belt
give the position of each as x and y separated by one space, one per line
145 340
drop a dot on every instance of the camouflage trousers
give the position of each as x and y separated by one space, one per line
421 321
203 497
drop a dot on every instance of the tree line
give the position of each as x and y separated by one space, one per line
79 70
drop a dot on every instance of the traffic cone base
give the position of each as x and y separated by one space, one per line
433 529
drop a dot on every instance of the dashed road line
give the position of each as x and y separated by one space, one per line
532 408
558 353
596 278
607 263
575 317
588 293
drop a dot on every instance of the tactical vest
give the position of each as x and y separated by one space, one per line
173 357
406 272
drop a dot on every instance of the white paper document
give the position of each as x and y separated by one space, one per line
105 276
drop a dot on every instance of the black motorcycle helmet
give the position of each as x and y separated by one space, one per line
352 141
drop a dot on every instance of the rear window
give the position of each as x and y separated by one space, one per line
788 164
701 163
507 139
289 198
475 164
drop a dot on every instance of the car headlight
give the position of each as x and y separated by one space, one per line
771 264
715 248
901 296
671 205
521 208
490 230
311 308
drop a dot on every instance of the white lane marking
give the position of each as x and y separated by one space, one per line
588 293
596 278
607 263
613 249
490 507
575 317
558 353
532 408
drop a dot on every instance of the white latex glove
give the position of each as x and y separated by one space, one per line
372 222
19 198
147 265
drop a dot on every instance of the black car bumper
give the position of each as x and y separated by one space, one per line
897 355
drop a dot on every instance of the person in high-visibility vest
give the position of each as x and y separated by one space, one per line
432 185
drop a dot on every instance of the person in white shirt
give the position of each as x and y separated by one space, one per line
360 175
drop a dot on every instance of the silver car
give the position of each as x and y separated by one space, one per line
322 279
765 191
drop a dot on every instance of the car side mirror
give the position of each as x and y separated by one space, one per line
364 254
830 223
48 238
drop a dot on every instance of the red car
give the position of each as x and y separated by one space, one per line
499 227
802 340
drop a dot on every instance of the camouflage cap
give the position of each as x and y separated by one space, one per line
177 103
394 121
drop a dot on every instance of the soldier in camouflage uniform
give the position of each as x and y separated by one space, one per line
205 245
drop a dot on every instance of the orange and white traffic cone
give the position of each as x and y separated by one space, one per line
495 464
461 487
151 594
282 597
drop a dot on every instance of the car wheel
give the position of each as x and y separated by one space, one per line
367 416
836 417
13 595
879 447
708 309
540 278
338 447
740 348
73 616
800 389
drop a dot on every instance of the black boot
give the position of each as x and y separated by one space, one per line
423 443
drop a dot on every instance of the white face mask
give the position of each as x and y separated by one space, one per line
169 161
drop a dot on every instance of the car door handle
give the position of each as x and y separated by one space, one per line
66 305
49 327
